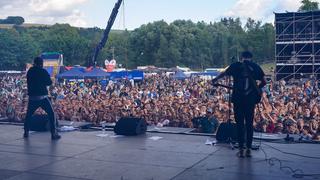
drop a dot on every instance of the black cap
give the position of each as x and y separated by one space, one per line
246 55
38 61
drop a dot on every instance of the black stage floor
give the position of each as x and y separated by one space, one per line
83 155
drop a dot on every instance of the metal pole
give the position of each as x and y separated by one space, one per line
106 31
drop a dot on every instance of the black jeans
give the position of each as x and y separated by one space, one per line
244 113
45 104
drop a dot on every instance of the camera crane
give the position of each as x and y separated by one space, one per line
104 39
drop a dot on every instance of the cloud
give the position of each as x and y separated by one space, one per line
262 9
44 6
248 8
77 19
288 5
45 11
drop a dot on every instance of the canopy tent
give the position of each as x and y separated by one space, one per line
135 75
74 73
119 75
96 73
212 73
180 75
79 68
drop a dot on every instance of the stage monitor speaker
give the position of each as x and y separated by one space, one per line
227 131
130 126
39 123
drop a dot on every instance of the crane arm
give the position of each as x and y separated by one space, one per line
106 31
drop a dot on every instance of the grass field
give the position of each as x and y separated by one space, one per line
268 67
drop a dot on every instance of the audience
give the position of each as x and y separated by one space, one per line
164 101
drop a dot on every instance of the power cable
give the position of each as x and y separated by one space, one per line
289 153
296 173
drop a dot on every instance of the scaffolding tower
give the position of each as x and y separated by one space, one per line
297 49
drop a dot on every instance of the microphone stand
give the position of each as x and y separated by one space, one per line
229 124
229 127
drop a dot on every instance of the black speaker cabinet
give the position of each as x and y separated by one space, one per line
39 123
130 126
227 132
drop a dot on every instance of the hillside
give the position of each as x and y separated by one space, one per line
33 25
25 25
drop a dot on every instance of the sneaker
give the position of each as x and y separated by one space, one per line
241 153
248 153
55 136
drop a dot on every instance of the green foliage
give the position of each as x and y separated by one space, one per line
308 5
184 43
17 20
16 49
66 40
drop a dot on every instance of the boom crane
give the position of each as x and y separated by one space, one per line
106 31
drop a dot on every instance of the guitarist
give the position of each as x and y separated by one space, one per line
246 93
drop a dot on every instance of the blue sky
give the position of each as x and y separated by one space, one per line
139 12
90 13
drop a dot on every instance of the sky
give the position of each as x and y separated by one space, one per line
134 13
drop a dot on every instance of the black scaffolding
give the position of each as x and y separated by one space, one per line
297 50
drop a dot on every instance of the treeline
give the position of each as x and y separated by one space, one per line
184 43
16 20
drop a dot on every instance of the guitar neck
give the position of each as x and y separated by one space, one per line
222 85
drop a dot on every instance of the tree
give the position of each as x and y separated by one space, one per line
28 49
184 43
66 39
9 47
17 20
16 49
308 5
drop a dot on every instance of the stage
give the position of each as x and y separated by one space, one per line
83 155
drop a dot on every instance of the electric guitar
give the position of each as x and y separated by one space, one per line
256 96
222 85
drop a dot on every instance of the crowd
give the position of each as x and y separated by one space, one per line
164 101
290 108
13 96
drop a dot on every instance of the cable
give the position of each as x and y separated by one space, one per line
124 15
201 160
293 154
272 161
296 173
260 141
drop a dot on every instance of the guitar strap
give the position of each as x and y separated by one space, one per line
253 82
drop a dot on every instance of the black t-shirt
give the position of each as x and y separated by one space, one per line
242 85
37 80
